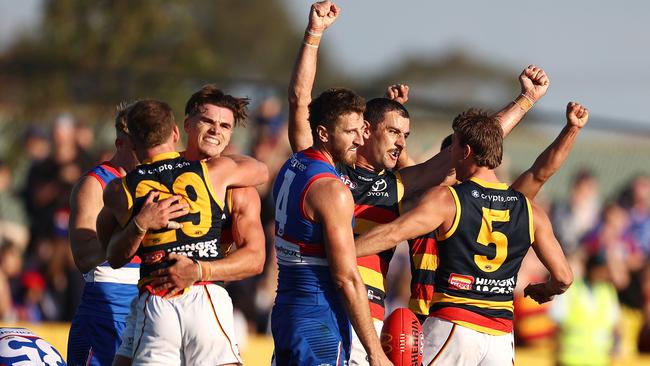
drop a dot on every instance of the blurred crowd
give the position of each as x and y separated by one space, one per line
607 241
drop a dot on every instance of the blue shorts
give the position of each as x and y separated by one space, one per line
307 335
93 340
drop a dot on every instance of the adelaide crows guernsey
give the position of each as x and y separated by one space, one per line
480 256
108 292
377 198
199 238
304 276
424 261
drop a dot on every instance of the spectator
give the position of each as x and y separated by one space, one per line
574 216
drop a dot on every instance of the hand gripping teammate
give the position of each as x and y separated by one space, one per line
164 327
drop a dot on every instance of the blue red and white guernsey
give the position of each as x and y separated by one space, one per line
20 346
109 291
308 322
95 332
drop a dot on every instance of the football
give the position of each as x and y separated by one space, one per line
401 338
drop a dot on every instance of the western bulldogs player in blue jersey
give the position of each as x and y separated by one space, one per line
100 318
319 284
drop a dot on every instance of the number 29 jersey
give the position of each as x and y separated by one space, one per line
304 276
199 238
480 256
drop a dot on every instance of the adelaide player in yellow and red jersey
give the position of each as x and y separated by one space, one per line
376 188
483 228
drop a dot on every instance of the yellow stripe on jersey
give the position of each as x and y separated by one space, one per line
371 278
425 261
129 204
420 306
498 305
208 183
400 192
531 226
486 184
452 230
479 328
229 199
362 226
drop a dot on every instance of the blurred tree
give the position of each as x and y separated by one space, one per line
92 54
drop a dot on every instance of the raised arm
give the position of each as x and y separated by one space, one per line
85 204
321 16
550 253
534 83
332 205
435 208
549 162
246 261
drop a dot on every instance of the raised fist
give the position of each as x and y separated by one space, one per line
398 93
534 82
322 15
576 115
538 292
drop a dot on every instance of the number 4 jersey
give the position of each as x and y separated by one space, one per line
199 238
480 256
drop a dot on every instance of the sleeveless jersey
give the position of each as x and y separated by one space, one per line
304 275
424 261
107 291
20 346
199 238
377 198
480 256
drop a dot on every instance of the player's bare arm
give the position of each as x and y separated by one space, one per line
236 171
154 215
534 84
435 209
321 16
246 261
85 204
550 253
549 162
330 203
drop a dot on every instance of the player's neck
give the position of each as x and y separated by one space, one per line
485 174
122 162
365 163
323 150
148 154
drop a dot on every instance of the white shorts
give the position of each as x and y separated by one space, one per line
196 328
126 347
358 355
446 343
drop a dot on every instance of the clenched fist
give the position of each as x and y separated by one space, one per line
398 93
576 114
534 82
322 15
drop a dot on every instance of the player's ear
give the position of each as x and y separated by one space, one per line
322 133
467 151
186 125
366 129
176 133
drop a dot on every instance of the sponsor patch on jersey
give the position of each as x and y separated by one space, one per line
461 282
153 257
348 182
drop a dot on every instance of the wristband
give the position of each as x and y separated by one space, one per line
200 269
524 102
138 227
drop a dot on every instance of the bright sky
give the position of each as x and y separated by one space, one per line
595 51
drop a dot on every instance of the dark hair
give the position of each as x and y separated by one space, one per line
210 94
446 142
483 134
331 104
150 123
378 107
120 119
